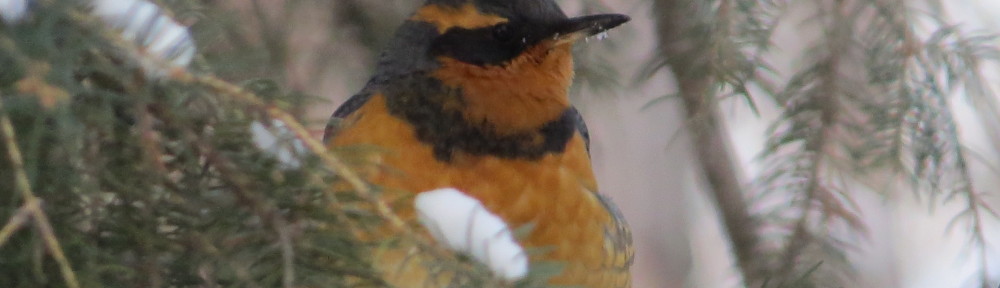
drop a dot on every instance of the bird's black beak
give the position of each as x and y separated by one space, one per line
578 28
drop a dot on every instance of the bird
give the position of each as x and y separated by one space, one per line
473 95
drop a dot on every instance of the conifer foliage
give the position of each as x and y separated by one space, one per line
112 176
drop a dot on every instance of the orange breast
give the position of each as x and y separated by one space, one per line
553 192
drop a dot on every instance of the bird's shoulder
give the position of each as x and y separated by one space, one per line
335 124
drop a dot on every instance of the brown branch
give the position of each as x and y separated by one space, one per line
260 207
22 184
827 97
676 19
16 222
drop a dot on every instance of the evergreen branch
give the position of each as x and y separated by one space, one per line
329 160
967 188
947 51
826 98
147 136
720 170
273 112
978 92
675 24
910 76
311 143
263 210
833 124
16 222
240 186
22 184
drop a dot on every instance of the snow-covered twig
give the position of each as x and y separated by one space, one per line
162 43
12 11
462 224
278 141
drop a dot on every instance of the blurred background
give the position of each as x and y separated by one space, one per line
859 137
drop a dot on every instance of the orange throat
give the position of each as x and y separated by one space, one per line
526 93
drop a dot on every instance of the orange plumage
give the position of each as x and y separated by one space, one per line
495 124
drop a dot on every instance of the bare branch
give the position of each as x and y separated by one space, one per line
16 222
676 21
31 202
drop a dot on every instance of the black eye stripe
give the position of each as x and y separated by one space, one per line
493 45
481 46
503 32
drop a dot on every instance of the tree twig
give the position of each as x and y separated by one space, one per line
16 222
711 142
827 98
22 184
260 207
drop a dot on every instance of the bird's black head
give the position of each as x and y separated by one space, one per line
493 32
492 75
489 34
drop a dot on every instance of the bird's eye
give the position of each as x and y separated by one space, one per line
503 32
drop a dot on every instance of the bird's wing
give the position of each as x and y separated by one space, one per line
617 234
617 242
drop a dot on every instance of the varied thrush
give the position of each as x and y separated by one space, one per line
472 94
